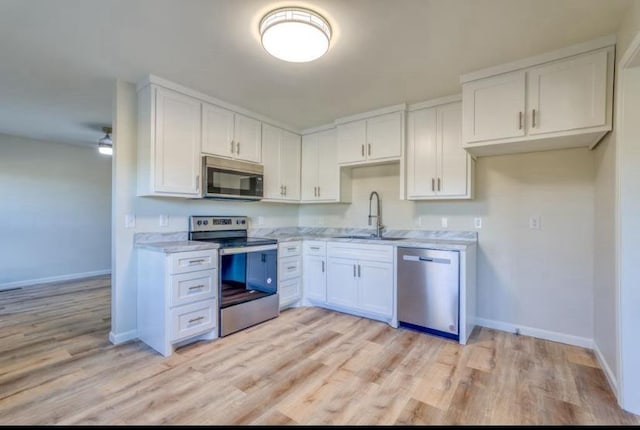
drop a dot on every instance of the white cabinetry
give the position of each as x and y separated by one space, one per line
289 273
437 166
314 274
229 134
322 179
360 279
169 127
281 160
557 100
376 139
177 298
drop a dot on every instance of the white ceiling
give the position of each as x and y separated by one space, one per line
59 59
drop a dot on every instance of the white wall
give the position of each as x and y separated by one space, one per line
54 211
147 211
540 279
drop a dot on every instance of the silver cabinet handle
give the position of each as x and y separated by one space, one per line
238 148
433 184
315 191
322 266
362 150
291 268
281 192
318 191
291 249
359 271
202 260
317 248
195 319
285 190
520 120
369 149
196 287
354 270
438 184
198 183
232 146
533 119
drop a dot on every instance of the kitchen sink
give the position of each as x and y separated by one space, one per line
368 237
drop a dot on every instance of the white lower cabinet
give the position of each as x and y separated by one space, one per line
314 273
360 279
177 298
289 273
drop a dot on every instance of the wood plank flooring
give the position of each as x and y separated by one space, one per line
308 366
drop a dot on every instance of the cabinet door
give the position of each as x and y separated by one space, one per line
352 139
493 108
384 136
289 291
271 141
375 292
314 278
328 169
290 165
177 143
217 130
309 169
342 283
247 133
452 158
568 94
421 153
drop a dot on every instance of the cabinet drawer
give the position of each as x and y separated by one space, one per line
360 251
290 291
289 267
193 286
193 261
193 319
289 249
314 247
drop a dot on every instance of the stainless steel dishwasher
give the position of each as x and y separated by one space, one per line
429 290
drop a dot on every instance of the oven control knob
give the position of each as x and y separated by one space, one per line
199 222
206 222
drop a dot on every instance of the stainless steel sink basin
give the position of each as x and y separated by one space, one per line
367 237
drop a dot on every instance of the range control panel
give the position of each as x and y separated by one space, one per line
218 223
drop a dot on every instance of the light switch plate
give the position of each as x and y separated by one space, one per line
535 222
129 221
164 220
477 222
445 222
260 220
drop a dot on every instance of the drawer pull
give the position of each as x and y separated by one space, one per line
291 249
317 248
196 287
201 260
195 320
291 267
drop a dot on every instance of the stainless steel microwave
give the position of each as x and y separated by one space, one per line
232 179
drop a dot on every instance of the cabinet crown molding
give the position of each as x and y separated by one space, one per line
364 115
524 63
434 102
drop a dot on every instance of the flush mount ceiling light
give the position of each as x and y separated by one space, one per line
105 145
295 34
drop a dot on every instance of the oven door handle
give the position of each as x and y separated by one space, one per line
245 249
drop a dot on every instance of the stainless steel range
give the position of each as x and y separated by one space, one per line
247 278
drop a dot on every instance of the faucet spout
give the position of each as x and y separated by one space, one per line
377 216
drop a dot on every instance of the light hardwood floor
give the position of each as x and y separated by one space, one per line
308 366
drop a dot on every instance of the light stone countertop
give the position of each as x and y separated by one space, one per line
170 247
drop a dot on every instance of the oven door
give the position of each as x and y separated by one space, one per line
231 179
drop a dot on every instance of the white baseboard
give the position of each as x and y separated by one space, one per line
70 277
611 378
118 338
536 332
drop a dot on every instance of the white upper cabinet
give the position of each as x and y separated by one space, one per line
169 128
495 107
379 138
229 134
321 177
556 100
568 95
437 165
281 160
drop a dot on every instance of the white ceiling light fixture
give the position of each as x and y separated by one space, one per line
295 34
105 144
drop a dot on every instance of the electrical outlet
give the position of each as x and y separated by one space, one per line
419 221
535 222
320 220
260 220
477 222
164 220
445 222
129 221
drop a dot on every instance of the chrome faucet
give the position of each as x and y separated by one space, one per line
379 225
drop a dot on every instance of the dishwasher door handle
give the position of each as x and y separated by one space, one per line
426 259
